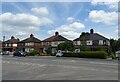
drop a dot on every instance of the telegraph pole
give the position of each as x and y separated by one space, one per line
3 44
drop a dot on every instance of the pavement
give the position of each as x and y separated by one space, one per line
58 68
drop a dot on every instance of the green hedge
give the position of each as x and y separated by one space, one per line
88 54
33 53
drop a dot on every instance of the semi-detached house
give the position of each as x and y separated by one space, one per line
92 40
30 43
53 41
10 45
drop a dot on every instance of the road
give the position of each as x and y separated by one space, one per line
52 68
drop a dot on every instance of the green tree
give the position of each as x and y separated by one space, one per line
115 45
49 51
66 46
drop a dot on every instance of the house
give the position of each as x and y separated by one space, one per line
92 40
54 41
30 43
10 45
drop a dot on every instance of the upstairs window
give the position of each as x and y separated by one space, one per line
29 44
96 42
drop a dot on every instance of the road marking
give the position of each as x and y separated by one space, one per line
102 63
64 60
22 63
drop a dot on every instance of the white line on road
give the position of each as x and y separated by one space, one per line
102 63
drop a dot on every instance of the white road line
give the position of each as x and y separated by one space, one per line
64 60
102 63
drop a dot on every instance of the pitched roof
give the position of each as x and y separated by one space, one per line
12 40
91 36
97 36
55 38
31 39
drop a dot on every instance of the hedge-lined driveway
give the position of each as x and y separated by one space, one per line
52 68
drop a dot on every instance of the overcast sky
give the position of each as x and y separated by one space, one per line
20 19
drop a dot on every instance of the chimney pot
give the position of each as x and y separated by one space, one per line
31 35
56 33
91 31
12 37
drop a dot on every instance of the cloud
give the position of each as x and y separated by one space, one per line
109 18
22 24
70 31
70 19
110 3
40 11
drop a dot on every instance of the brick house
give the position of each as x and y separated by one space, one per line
10 45
30 43
53 41
92 40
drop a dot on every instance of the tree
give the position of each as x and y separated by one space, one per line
66 46
115 44
49 51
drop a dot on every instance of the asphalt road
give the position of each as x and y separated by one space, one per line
52 68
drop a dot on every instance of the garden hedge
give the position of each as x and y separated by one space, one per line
88 54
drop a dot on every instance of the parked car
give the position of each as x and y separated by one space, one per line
18 53
118 55
59 53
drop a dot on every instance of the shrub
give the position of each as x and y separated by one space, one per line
70 54
112 56
33 53
49 51
93 54
88 54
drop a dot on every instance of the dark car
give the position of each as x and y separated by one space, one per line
18 53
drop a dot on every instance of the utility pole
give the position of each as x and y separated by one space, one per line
3 45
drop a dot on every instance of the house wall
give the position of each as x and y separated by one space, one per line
56 43
90 42
46 43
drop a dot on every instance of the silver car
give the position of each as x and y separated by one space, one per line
59 53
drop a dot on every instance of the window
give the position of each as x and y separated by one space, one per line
100 42
55 43
28 49
96 42
83 42
75 42
9 44
104 42
89 42
29 44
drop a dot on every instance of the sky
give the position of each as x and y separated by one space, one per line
70 19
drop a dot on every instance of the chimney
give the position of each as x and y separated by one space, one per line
56 33
12 37
3 38
91 31
31 35
18 39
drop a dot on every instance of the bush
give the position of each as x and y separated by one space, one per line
49 51
70 54
112 56
93 54
33 53
88 54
